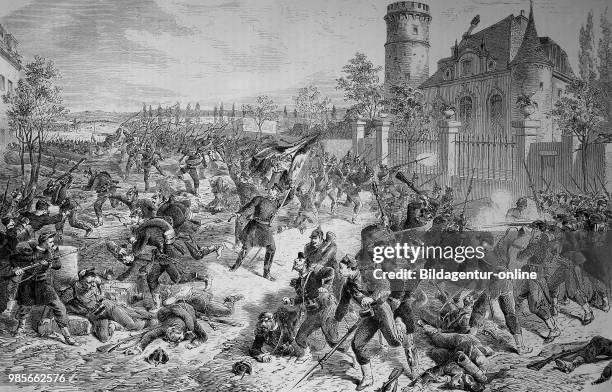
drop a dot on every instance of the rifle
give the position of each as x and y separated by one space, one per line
73 168
329 353
467 194
392 381
17 278
538 365
430 180
405 164
533 191
400 176
107 348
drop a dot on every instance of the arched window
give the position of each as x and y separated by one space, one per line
466 113
496 115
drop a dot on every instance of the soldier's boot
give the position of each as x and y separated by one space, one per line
553 330
268 265
555 307
367 380
68 338
520 345
239 260
589 316
19 328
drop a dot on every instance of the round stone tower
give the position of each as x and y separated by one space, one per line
407 46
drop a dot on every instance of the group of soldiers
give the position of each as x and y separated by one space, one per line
331 290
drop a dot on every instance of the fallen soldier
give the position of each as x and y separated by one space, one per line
275 331
461 359
177 323
598 348
455 314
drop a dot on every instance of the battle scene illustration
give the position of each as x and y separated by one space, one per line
340 195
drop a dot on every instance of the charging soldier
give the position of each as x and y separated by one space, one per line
150 158
58 192
376 316
258 232
194 159
314 292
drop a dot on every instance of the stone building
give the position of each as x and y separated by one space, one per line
10 68
489 69
407 46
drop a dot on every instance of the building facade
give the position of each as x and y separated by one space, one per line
10 69
488 70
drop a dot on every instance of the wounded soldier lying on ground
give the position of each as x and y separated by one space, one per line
598 348
177 322
455 314
275 330
204 302
461 360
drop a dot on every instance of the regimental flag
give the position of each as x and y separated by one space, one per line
281 163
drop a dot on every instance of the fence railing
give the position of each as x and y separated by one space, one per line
491 156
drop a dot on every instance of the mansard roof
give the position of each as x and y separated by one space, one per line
496 42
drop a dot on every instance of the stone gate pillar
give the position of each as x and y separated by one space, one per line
526 132
358 129
447 154
382 141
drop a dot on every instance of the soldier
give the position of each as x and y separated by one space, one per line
518 212
306 194
597 348
58 192
314 292
276 330
376 316
193 161
150 158
160 263
177 322
89 301
33 261
312 248
258 232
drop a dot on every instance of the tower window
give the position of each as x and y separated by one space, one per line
541 86
407 75
447 74
415 29
2 85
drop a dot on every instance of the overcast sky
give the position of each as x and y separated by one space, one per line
116 54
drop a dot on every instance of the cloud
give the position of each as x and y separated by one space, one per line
114 54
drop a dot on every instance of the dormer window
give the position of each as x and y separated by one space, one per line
466 67
491 65
448 74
